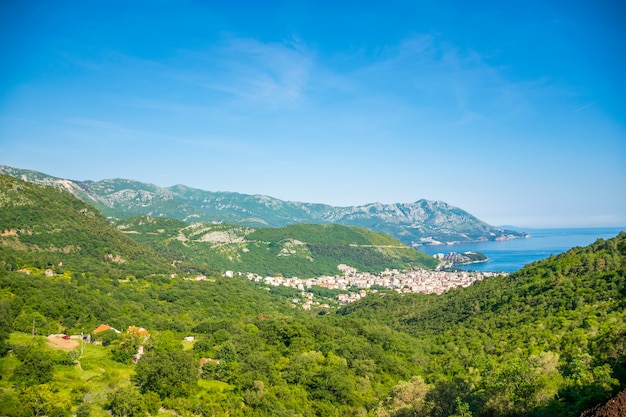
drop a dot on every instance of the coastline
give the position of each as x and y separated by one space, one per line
513 254
472 262
437 243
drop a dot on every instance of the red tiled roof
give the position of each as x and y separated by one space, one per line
102 328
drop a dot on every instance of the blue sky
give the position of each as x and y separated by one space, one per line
515 112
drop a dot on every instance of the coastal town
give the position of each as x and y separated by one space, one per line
357 284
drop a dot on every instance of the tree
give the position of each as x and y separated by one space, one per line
5 326
83 410
204 347
40 400
36 368
227 366
127 346
169 374
510 387
227 352
406 398
35 322
152 402
462 409
108 337
166 341
126 402
443 396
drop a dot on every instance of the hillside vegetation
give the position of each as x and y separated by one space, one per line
46 227
551 336
302 250
548 340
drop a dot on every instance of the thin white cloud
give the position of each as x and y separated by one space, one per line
79 62
468 118
422 71
431 72
272 74
165 105
100 124
584 107
209 142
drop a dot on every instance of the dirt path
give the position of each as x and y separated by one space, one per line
57 341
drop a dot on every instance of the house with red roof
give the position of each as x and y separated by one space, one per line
104 328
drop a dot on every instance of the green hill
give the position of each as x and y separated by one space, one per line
303 250
549 339
46 227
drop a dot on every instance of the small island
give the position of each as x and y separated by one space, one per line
453 259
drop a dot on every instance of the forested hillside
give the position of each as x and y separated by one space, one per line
302 250
548 340
46 227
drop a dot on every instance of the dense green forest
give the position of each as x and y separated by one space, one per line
548 340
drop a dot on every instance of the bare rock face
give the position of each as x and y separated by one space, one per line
615 407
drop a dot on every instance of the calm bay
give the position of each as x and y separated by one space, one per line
511 255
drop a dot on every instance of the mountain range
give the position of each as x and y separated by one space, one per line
423 222
547 340
48 227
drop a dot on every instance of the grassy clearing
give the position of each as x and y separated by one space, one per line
94 375
211 385
18 338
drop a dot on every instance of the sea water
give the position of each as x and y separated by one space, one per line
511 255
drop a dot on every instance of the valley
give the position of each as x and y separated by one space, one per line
547 340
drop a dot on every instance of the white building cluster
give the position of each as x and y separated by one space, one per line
415 281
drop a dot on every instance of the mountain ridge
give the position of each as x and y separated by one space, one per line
53 229
423 222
